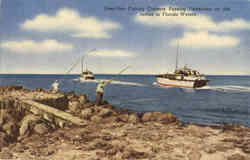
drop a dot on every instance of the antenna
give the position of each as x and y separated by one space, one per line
177 54
86 66
82 62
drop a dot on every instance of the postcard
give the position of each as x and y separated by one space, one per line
124 79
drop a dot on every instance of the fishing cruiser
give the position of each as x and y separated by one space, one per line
86 74
182 77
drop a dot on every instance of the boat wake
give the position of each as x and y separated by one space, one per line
112 82
223 88
226 88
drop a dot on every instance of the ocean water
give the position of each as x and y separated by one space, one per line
225 99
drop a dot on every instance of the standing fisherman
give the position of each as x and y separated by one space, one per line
100 91
55 86
100 88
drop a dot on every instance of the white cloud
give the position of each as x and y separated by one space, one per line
30 47
205 40
69 21
199 22
112 53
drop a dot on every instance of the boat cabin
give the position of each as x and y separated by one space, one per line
187 72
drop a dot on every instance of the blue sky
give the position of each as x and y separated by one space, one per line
47 36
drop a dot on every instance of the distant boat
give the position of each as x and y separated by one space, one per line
182 77
86 74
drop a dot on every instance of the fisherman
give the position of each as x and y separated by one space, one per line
100 91
55 86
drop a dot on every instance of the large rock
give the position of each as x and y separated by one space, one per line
166 118
246 149
3 142
88 105
147 117
196 131
86 113
74 106
159 117
124 117
111 120
133 118
11 128
83 98
6 154
96 118
237 156
3 114
130 153
71 95
41 128
105 112
194 155
27 124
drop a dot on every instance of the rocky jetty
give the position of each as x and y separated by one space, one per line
108 132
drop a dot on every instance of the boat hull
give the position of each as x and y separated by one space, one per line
87 78
181 83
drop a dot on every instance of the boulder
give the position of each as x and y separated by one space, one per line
3 142
96 118
104 112
237 156
27 124
83 99
133 154
133 118
88 105
41 128
86 113
11 128
74 106
210 149
71 95
3 115
124 117
159 117
194 155
146 117
165 118
6 154
111 119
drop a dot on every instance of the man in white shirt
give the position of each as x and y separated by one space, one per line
55 86
100 91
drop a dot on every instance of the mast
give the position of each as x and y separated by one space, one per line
177 54
86 66
82 63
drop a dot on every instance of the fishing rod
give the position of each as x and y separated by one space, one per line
136 100
123 70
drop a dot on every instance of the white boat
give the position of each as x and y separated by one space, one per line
182 77
86 74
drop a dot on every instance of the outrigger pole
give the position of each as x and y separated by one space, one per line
123 70
74 64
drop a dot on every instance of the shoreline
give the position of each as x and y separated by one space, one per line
108 132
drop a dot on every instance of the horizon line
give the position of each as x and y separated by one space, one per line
113 74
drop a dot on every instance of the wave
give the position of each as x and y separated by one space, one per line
225 88
156 84
221 88
112 82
